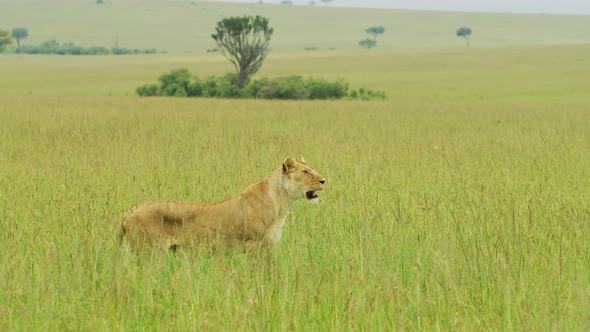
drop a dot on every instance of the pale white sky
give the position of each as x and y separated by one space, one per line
506 6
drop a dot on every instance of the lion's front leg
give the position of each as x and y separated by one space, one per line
257 249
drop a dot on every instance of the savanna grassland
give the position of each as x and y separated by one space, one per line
186 26
459 203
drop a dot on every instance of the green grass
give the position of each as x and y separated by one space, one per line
542 73
179 26
454 216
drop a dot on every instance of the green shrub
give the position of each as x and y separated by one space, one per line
97 50
252 90
367 43
121 51
53 47
218 86
323 89
227 86
365 94
290 87
47 47
179 92
148 90
180 83
209 87
195 88
175 83
69 48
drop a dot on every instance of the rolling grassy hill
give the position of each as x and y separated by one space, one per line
186 26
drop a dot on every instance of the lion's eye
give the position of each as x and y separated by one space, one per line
305 171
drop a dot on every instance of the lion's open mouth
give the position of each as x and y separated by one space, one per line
311 195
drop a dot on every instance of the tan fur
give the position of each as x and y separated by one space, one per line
255 217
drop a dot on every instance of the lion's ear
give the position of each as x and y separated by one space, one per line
288 164
300 159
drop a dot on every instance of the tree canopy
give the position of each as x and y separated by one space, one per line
5 38
18 34
375 31
244 41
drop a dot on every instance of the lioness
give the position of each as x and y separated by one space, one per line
253 218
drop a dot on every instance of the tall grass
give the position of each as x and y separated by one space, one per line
448 215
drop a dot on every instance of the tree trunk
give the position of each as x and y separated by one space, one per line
242 79
17 45
467 39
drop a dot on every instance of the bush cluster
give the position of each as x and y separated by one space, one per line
181 83
367 43
124 51
53 47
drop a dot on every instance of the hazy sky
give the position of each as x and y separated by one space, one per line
510 6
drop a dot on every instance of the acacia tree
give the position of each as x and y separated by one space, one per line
465 33
326 1
5 38
375 31
244 41
18 34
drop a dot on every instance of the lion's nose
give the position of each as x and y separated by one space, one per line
322 181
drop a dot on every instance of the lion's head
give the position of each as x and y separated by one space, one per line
301 180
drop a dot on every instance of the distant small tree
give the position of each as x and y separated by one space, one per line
244 41
326 2
375 31
367 43
465 33
5 38
18 34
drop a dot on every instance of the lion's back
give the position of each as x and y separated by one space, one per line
149 222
